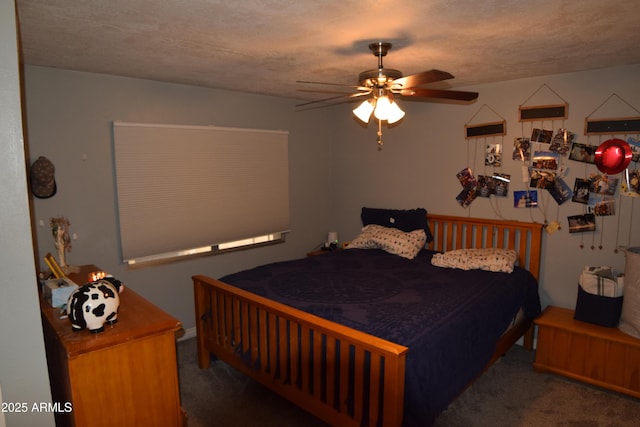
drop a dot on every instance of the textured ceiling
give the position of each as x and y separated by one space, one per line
265 46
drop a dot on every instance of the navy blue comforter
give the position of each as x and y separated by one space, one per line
450 319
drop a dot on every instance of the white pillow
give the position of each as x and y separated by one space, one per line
392 240
490 259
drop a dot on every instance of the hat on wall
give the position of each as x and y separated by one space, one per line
43 181
613 156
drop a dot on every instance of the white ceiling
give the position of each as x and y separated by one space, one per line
265 46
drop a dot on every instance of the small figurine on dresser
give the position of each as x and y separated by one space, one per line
61 240
95 304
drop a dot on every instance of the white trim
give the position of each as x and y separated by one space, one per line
188 334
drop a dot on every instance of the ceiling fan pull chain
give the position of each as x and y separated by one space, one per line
379 135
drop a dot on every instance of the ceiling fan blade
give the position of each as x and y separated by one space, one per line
420 79
438 93
331 84
345 98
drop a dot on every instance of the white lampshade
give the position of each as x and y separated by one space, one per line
364 110
383 108
395 113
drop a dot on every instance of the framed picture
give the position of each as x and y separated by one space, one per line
54 266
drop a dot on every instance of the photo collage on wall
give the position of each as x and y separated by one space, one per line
483 186
597 190
543 154
545 172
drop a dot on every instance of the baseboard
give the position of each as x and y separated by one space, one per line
188 334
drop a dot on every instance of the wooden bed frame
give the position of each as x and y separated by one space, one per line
296 354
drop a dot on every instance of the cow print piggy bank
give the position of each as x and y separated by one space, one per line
94 304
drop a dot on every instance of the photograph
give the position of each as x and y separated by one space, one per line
603 184
497 184
631 184
560 191
581 191
466 196
541 135
541 178
485 186
501 184
466 178
493 155
605 206
547 160
634 143
521 149
583 153
582 223
525 199
562 141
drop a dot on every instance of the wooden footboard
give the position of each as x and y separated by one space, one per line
342 376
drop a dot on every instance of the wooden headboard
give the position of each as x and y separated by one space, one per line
455 232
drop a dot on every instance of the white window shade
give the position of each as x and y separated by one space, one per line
183 187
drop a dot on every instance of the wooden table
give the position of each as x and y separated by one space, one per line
124 376
597 355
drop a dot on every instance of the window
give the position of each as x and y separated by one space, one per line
185 190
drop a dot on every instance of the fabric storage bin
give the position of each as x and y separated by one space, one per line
598 309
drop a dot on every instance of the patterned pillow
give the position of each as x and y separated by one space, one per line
490 259
402 219
392 240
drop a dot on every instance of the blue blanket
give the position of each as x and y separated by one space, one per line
450 319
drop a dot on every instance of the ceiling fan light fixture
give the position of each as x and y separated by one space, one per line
364 110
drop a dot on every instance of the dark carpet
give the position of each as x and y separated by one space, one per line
509 394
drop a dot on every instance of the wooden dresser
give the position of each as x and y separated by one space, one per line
124 376
597 355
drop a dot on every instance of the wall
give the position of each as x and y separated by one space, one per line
23 368
420 158
335 167
69 120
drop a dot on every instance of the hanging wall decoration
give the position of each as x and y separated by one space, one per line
613 156
482 130
610 126
544 112
546 169
490 136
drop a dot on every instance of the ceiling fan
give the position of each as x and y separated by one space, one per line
381 85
